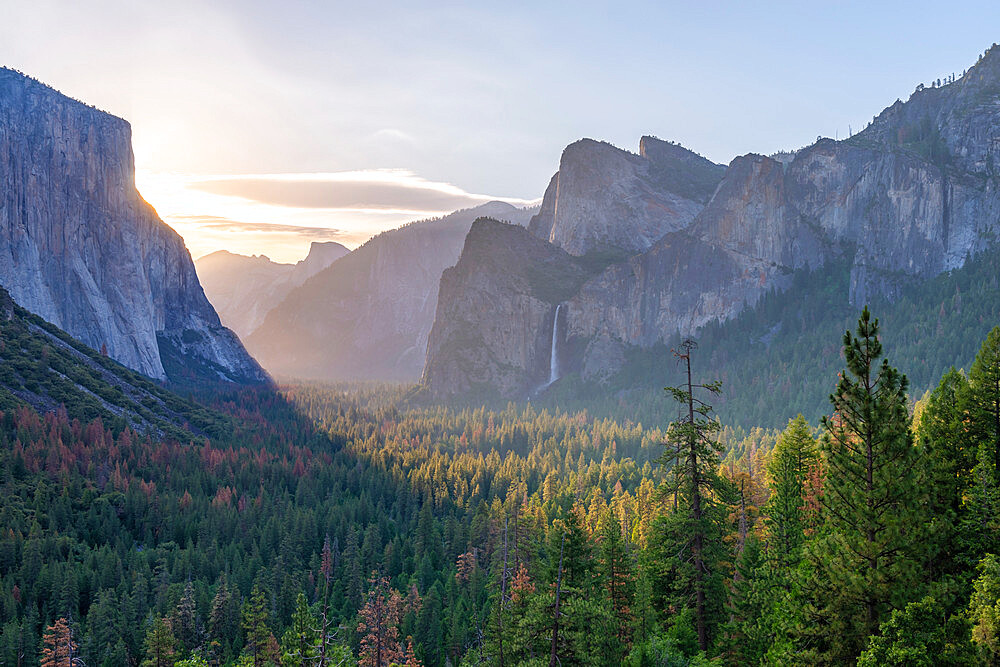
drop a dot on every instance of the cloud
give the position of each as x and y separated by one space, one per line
220 224
376 190
204 234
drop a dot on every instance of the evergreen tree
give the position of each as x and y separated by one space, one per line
618 577
921 635
300 644
255 625
691 536
795 454
984 382
185 623
223 620
160 644
379 625
746 636
984 611
949 456
59 649
865 564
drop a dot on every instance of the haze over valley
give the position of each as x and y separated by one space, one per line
479 336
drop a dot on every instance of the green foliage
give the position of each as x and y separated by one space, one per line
864 563
211 548
984 610
160 644
920 635
795 454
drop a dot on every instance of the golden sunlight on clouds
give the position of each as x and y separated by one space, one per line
279 215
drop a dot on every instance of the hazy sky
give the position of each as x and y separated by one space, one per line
260 126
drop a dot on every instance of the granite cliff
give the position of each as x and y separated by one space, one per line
604 198
81 248
915 194
503 269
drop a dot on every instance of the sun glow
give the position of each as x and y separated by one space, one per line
279 215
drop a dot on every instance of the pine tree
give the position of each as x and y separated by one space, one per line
411 657
949 456
984 382
618 577
59 649
746 636
692 534
185 623
223 619
984 611
921 635
865 564
255 625
300 644
379 625
795 454
160 644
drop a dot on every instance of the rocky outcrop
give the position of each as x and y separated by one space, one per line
82 249
496 313
604 198
915 194
368 315
245 289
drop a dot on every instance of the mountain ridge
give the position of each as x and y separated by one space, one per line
368 315
900 205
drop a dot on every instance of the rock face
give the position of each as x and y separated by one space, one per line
245 289
82 249
503 269
605 198
915 194
368 315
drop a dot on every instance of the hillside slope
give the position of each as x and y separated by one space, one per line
245 289
43 367
368 315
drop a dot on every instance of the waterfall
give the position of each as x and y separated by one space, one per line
554 357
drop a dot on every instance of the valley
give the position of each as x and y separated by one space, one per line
674 413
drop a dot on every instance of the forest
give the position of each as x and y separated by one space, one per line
340 525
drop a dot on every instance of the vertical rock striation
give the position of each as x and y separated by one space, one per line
82 249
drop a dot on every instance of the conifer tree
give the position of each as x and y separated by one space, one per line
255 624
949 456
984 611
618 577
984 382
160 644
865 565
746 635
379 625
691 535
300 643
223 620
185 623
794 455
59 649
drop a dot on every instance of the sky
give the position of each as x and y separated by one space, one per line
262 126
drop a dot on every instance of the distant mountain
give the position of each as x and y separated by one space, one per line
82 249
915 194
368 314
244 289
45 368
